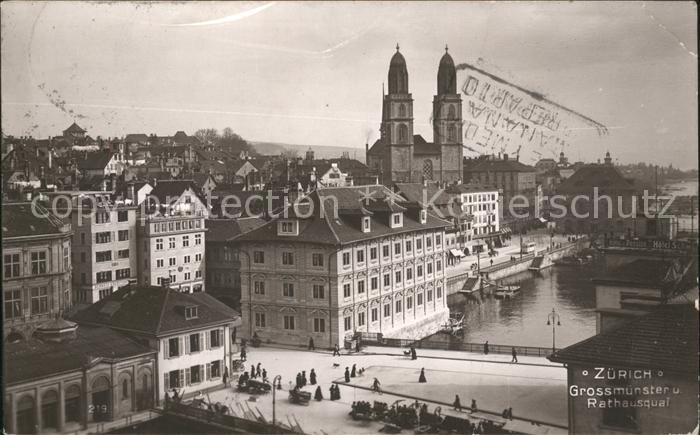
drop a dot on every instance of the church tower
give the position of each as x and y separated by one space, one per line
447 121
397 123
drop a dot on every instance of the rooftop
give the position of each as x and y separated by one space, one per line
490 164
18 220
606 177
226 230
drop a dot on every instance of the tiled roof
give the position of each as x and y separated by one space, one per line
666 339
75 128
136 137
421 147
496 165
225 230
417 192
171 189
471 187
95 160
336 226
155 310
19 220
35 359
606 177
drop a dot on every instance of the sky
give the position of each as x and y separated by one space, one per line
312 73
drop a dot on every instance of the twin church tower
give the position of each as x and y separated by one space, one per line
399 155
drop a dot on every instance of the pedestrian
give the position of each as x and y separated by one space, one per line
376 386
347 374
486 348
336 350
473 407
515 355
421 378
257 370
353 372
358 345
243 353
264 375
319 395
337 392
311 344
298 380
252 371
303 378
457 404
510 413
414 356
225 378
492 262
312 377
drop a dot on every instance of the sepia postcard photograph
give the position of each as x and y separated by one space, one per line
320 217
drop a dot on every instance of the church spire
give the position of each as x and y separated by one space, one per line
398 74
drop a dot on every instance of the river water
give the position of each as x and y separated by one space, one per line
522 320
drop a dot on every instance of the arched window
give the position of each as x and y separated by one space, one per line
49 410
402 110
403 133
428 169
451 133
451 112
25 415
72 404
125 389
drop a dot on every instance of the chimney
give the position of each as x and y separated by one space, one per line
505 157
131 192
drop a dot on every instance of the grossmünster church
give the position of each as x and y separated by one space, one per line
399 155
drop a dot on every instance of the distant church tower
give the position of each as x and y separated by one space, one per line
447 121
397 123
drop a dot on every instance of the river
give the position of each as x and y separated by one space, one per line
522 320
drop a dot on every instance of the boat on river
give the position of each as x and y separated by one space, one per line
506 291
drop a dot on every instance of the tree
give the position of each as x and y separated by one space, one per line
207 135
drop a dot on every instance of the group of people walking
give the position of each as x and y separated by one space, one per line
302 381
353 373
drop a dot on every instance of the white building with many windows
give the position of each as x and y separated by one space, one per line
192 333
368 262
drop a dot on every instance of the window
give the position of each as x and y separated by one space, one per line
387 310
365 225
123 273
104 293
430 268
38 263
123 253
419 270
122 216
173 347
397 248
361 287
347 290
289 323
171 242
419 244
195 374
104 276
198 257
373 253
438 240
40 301
439 292
198 274
317 259
198 237
438 265
215 369
428 242
374 315
409 246
188 276
423 216
215 338
419 299
397 277
409 274
185 241
13 304
258 257
409 303
319 325
288 258
186 259
82 238
259 287
125 389
430 295
287 227
172 261
348 323
385 251
346 258
361 319
318 291
11 263
102 217
159 262
288 289
175 379
387 280
374 283
123 235
103 256
396 219
194 339
398 307
360 256
159 244
259 320
103 237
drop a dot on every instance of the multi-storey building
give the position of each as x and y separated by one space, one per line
352 259
104 243
191 333
36 280
482 204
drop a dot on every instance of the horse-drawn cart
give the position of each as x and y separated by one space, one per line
299 397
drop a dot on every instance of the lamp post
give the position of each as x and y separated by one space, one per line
551 241
551 319
277 380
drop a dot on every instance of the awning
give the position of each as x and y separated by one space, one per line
457 253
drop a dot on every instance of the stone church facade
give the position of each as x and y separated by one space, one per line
399 155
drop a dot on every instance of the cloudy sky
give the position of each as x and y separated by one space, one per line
312 73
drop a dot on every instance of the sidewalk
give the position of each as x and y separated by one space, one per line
534 388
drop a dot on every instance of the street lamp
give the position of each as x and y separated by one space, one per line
551 318
551 241
277 380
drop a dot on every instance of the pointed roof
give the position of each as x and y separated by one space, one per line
447 75
74 128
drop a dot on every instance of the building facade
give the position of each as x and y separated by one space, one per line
402 157
376 268
36 280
